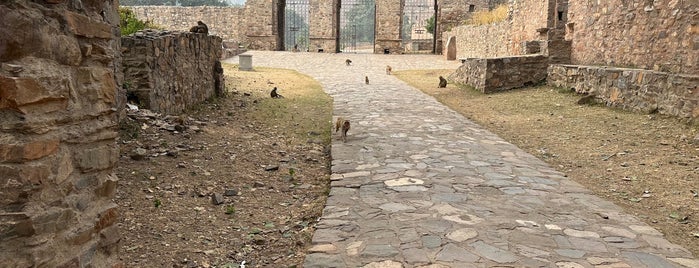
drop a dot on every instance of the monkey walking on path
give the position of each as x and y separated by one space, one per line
389 70
274 94
366 80
442 82
343 124
348 62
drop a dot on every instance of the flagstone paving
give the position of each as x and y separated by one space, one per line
418 185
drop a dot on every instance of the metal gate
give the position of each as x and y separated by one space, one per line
357 20
296 14
418 20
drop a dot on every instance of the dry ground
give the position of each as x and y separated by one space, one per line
264 160
647 164
267 161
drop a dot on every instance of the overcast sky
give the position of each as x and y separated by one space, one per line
236 2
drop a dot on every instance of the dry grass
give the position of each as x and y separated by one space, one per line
491 16
648 165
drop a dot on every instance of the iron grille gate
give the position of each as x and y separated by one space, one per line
296 14
417 15
357 20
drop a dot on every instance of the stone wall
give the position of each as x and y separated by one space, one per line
633 89
661 35
58 99
388 21
491 75
222 21
485 41
168 72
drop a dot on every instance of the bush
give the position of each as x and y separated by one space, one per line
130 24
487 17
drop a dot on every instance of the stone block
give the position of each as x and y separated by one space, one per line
109 239
108 187
84 26
16 93
97 158
14 153
107 218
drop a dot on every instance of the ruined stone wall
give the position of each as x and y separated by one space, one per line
322 23
222 21
168 72
633 89
484 41
656 35
528 18
260 24
388 21
497 74
58 100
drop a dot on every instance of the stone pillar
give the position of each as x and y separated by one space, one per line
58 130
324 25
388 23
245 62
451 48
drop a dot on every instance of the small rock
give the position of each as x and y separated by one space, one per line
139 154
179 128
217 199
172 154
258 184
230 192
272 168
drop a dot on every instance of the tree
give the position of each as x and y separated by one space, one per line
430 25
128 23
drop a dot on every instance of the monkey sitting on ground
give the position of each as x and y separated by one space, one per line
343 124
366 80
275 95
200 28
389 69
442 82
348 62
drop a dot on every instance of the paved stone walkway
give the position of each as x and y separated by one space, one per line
418 185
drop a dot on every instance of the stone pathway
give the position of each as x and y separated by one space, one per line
418 185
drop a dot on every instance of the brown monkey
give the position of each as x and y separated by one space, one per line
442 82
389 69
200 28
366 80
344 125
348 62
274 94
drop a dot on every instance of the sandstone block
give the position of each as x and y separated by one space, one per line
84 26
14 153
97 158
18 92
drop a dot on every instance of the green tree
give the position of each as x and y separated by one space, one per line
128 23
430 25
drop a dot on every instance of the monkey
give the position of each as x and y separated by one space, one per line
275 95
338 123
389 69
348 62
200 28
366 80
345 128
343 124
442 82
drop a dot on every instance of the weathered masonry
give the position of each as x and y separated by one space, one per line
58 99
378 26
637 55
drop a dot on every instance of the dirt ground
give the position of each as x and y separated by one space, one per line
244 178
238 179
647 164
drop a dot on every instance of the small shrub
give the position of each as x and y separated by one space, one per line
129 24
487 17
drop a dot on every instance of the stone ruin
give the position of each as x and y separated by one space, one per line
59 65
